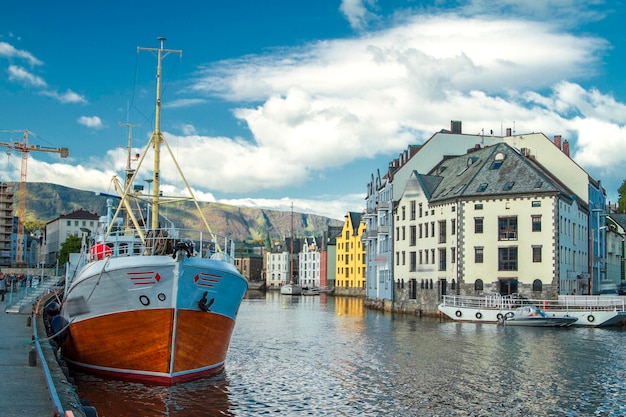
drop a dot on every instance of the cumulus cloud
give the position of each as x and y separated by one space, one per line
308 110
23 76
90 121
330 103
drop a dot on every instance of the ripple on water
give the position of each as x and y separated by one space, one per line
326 356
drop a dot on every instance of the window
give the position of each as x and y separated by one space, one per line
478 206
442 259
537 285
403 257
453 226
420 210
426 256
403 232
536 204
421 258
481 188
412 261
397 233
412 210
507 259
538 184
432 229
478 285
452 255
478 254
536 221
412 235
403 213
425 229
442 231
420 231
478 225
508 186
536 253
507 228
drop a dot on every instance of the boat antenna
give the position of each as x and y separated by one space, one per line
157 137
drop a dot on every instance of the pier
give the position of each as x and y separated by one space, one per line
34 384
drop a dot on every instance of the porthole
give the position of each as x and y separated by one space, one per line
161 296
144 300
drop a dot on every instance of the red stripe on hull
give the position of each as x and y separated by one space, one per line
122 344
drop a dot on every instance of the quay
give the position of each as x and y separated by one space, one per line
33 382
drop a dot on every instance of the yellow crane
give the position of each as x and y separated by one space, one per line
24 148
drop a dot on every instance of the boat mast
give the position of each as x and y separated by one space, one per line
157 137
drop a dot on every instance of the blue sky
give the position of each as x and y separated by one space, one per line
281 100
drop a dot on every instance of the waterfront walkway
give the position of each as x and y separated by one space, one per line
24 389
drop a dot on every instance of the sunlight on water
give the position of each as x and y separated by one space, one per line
327 356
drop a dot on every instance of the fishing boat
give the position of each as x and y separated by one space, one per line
590 311
150 303
533 316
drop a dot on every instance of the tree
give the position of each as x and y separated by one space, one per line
621 201
71 245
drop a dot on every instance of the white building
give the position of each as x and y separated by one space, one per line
490 221
72 224
309 264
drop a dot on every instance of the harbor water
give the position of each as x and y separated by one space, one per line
329 356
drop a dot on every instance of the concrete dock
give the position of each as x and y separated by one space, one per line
24 389
27 373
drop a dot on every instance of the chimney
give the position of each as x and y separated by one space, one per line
455 126
565 147
557 141
508 131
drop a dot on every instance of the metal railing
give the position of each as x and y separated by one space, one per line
566 303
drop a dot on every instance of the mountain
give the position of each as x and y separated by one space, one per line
47 202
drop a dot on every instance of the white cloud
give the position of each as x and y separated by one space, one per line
9 51
90 121
68 97
328 104
23 76
356 12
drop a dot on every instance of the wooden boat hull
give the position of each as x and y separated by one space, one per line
144 320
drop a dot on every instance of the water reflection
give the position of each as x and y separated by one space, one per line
328 356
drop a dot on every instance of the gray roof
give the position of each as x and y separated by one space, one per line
490 171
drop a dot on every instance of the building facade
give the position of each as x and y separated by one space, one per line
75 223
489 222
350 257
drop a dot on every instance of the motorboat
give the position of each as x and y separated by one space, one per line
590 310
530 315
291 289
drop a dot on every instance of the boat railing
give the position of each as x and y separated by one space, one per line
195 243
569 303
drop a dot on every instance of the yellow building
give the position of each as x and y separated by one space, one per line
350 259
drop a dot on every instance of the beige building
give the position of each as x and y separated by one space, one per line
490 221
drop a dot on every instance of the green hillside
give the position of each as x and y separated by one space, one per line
46 202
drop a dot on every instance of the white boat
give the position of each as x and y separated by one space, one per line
590 311
310 291
291 289
148 303
533 316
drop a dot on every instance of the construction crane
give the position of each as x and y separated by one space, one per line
25 149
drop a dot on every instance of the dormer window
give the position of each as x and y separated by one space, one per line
497 161
481 188
508 186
